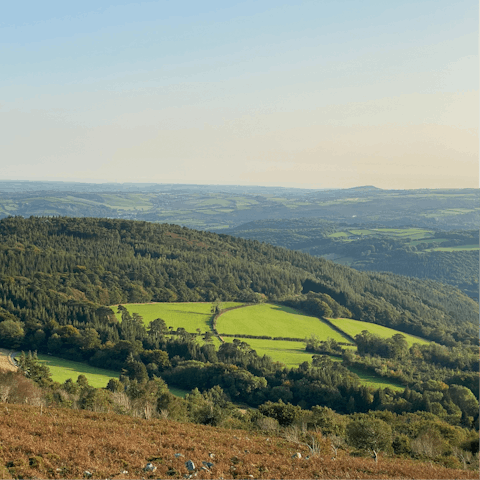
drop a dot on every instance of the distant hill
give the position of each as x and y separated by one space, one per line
215 207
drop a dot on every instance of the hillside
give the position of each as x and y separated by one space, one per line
67 269
446 256
61 443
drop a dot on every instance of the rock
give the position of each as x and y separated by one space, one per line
178 455
150 467
208 464
87 474
124 472
190 466
297 455
211 455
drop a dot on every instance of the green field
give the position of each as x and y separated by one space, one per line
376 381
274 321
215 201
354 327
291 354
64 369
415 235
178 392
189 316
456 248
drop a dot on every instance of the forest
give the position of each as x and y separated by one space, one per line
446 256
63 279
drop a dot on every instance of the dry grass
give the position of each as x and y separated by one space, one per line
61 443
5 362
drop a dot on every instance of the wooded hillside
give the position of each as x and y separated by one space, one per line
67 269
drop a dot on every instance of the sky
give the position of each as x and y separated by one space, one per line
309 94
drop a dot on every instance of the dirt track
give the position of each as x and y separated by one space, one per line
5 361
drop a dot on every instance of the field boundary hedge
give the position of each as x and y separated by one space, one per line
221 312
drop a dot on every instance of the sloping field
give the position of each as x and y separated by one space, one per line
457 248
354 327
189 316
64 369
274 321
376 381
291 354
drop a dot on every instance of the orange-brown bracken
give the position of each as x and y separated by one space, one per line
62 443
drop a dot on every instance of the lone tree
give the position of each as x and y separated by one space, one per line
157 328
369 434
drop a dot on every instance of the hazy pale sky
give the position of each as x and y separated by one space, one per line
299 93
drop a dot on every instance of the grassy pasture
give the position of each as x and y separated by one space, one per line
354 327
97 377
291 354
64 369
274 321
456 248
189 316
215 201
376 381
362 232
428 240
178 392
338 234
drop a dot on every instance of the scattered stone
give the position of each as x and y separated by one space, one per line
87 474
124 472
205 469
247 451
208 464
150 467
190 466
211 455
171 472
178 455
250 476
297 455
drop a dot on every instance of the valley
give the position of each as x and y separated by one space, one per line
212 329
